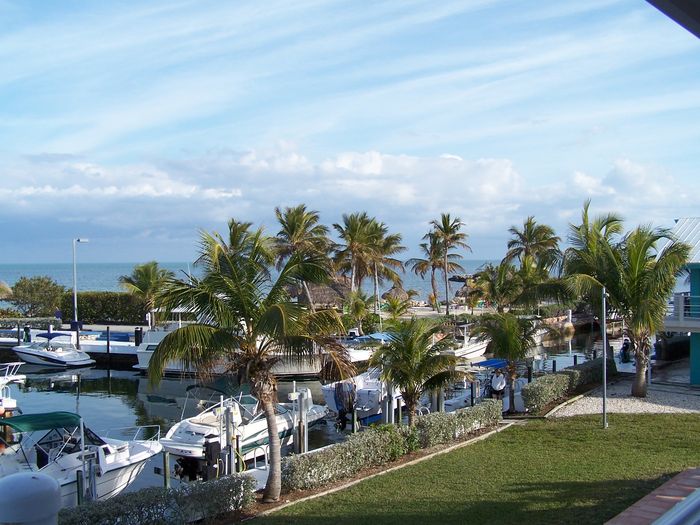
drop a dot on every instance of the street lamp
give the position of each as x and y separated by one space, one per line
605 360
76 326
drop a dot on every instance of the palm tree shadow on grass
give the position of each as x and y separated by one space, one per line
559 502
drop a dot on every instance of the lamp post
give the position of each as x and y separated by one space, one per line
605 360
76 326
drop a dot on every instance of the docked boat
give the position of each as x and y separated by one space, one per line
9 375
364 392
56 350
59 445
240 416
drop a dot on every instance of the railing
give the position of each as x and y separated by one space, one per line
684 307
143 433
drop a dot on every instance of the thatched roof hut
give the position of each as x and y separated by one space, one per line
331 294
396 292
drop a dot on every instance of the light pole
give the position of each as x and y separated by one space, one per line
605 360
76 326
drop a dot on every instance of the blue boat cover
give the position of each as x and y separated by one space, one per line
52 335
492 363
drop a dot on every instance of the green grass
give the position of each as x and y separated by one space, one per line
559 471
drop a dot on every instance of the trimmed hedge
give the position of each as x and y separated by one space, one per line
552 387
588 373
106 308
544 390
380 445
40 323
155 506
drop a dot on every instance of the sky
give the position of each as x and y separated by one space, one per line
140 124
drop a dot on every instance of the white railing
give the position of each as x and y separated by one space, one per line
683 307
134 433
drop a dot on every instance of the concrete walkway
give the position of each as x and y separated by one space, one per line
657 503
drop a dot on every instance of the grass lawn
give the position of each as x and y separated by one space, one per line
558 471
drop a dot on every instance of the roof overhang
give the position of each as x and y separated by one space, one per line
684 12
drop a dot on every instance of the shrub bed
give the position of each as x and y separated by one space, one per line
552 387
380 445
154 505
106 308
588 373
544 390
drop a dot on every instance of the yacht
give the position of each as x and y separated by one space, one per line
59 445
56 350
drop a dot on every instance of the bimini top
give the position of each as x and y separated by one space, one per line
492 363
46 421
52 335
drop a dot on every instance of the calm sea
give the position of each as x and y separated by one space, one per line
105 276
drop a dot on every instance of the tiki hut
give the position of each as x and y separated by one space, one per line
331 294
396 292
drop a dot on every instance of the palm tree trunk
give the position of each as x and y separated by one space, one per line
376 290
512 375
308 296
411 409
639 386
352 276
433 283
273 486
447 287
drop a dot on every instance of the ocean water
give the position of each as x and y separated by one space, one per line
105 276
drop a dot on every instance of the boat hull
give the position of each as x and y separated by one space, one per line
109 484
41 358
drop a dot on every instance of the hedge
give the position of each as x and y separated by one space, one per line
552 387
380 445
544 390
40 323
106 308
588 373
155 505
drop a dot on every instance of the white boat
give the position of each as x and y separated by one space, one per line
61 353
9 375
189 438
365 392
59 445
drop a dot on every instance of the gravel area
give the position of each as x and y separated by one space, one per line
660 399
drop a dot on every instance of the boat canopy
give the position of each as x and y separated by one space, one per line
52 335
492 363
383 337
46 421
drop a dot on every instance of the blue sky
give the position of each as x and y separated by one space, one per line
138 124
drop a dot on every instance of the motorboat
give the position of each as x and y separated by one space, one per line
364 393
240 416
59 445
56 350
9 375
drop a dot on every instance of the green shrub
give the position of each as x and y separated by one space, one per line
544 390
590 372
380 445
40 323
156 506
9 312
106 308
440 427
36 296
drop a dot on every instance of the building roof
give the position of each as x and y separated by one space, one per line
687 230
685 13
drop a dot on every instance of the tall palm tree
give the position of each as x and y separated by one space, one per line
413 363
300 232
146 281
355 253
509 337
431 262
246 319
384 265
357 308
535 243
448 231
396 307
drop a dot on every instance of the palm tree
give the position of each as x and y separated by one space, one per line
396 307
355 254
357 308
535 243
413 363
500 285
384 265
246 319
509 337
301 233
447 231
146 281
432 261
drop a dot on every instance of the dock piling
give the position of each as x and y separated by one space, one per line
554 366
575 360
166 469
